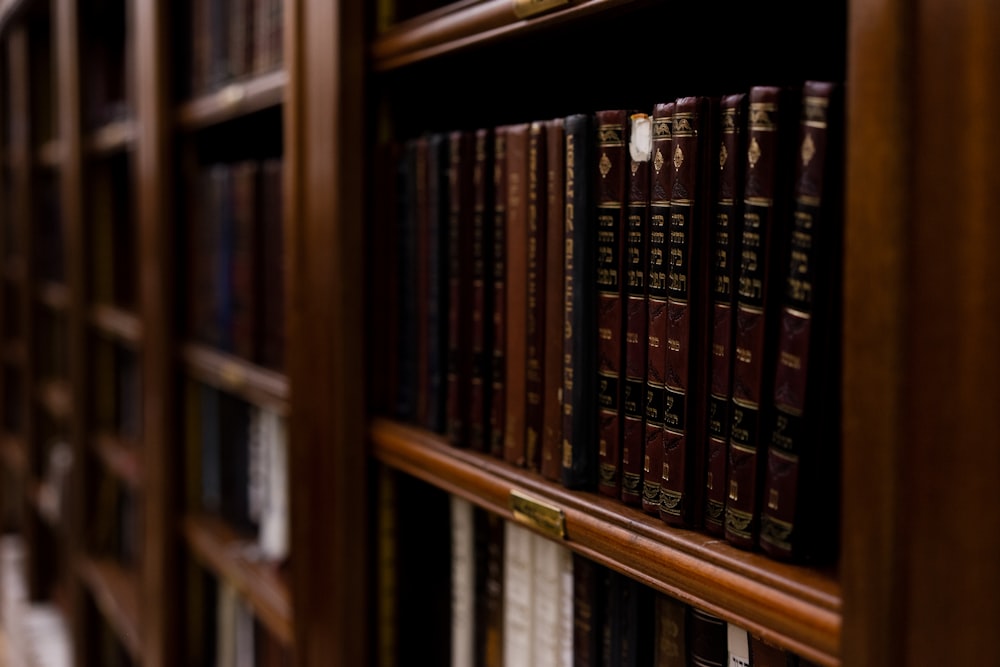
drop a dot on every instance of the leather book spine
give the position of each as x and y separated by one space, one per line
579 393
636 648
661 184
535 314
552 409
498 263
437 282
587 612
689 226
636 311
482 290
611 621
761 258
516 292
611 167
799 516
669 647
707 639
421 298
460 230
409 283
726 225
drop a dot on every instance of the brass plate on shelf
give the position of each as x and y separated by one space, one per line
537 514
527 8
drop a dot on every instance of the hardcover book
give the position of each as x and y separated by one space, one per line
535 318
437 296
555 231
498 290
799 513
461 161
480 385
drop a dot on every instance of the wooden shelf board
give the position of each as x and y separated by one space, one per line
116 322
56 396
14 453
115 591
464 24
224 552
49 154
119 457
113 137
14 270
796 607
54 295
233 100
229 373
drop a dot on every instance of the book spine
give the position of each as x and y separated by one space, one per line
579 452
406 287
661 185
756 307
687 311
482 290
612 139
611 618
586 611
518 595
437 282
498 357
737 646
516 292
460 223
799 511
462 583
566 608
725 238
637 623
636 310
535 313
669 648
489 589
552 391
422 278
707 639
547 598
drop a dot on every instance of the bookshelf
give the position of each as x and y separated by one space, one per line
103 125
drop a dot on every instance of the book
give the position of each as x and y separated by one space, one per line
800 511
483 211
586 611
489 530
726 225
661 185
546 606
555 232
766 192
436 296
611 167
274 264
405 403
518 604
636 310
707 639
669 649
694 148
537 209
737 646
498 357
460 307
579 393
463 577
515 293
637 617
246 269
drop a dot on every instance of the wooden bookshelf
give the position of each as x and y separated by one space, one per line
13 270
232 557
14 454
119 324
54 295
14 353
120 458
50 154
116 593
56 397
111 138
232 374
233 100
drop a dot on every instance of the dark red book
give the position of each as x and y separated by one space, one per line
611 167
799 516
766 191
535 323
661 184
460 305
480 385
726 226
707 639
498 339
245 265
695 148
636 311
436 323
555 298
516 293
274 263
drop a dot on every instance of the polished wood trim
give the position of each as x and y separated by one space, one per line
252 383
792 606
120 458
117 323
233 100
113 137
231 557
53 295
50 154
462 25
115 591
56 396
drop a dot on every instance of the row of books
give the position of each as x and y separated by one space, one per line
518 598
663 294
237 466
232 39
117 391
236 258
112 232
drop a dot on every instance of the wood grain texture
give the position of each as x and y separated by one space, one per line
253 383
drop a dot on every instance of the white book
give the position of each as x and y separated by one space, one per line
738 646
565 607
225 623
243 635
518 573
547 601
273 536
463 584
